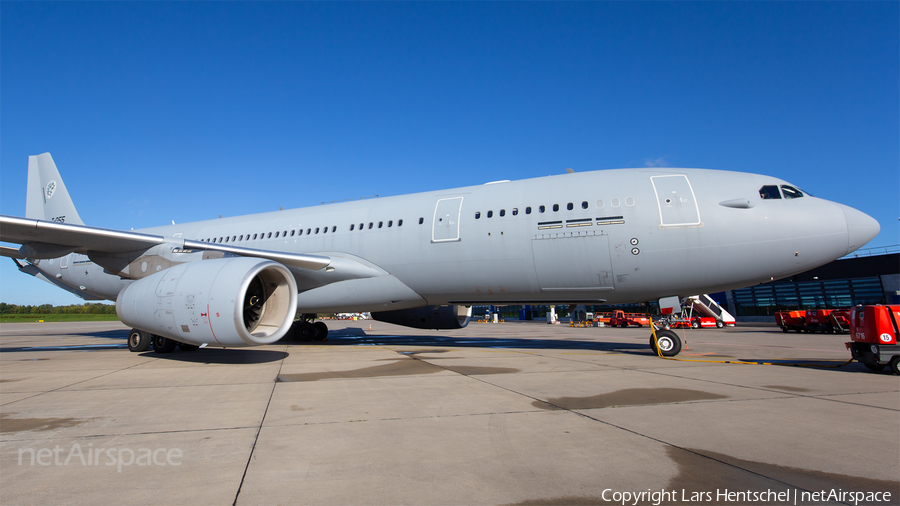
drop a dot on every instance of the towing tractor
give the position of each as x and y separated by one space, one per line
874 333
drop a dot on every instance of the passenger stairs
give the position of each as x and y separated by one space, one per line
704 305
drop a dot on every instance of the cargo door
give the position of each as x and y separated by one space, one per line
676 200
572 263
446 220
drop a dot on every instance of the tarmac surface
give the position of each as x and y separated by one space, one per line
519 413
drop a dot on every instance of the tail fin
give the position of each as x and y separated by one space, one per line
47 198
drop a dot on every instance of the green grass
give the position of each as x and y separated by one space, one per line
30 318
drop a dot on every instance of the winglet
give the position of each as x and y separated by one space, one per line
47 198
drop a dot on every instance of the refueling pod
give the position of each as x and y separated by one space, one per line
228 302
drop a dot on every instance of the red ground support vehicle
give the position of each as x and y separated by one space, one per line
620 319
874 334
827 320
791 320
696 322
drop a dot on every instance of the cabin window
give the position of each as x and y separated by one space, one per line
370 225
528 210
555 208
490 214
390 223
284 234
333 228
242 237
515 211
233 238
570 206
584 205
380 223
269 236
769 192
254 237
502 213
421 221
352 226
220 239
317 230
399 223
541 209
276 235
362 226
790 192
325 230
300 232
477 215
308 231
293 232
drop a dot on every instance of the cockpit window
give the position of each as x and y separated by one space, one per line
790 192
769 192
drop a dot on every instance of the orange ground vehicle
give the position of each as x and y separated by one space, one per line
791 320
875 334
621 319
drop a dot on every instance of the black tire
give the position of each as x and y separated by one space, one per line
895 365
785 329
321 331
695 324
639 325
669 343
163 345
188 347
719 324
304 331
874 367
624 325
138 341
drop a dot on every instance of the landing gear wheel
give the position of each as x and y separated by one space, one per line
874 367
784 329
321 333
719 324
895 365
304 331
669 343
188 347
163 345
695 324
138 341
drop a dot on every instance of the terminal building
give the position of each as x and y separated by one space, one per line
870 276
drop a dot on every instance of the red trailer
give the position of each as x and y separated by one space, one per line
791 320
875 335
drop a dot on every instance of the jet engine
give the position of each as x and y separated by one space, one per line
228 302
428 317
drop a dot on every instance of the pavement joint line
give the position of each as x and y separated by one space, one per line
118 434
823 397
38 394
259 428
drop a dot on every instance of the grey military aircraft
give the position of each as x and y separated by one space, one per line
422 260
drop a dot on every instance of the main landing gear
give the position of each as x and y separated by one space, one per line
305 330
140 340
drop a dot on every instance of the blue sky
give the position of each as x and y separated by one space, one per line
184 111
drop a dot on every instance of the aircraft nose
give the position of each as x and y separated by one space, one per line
861 228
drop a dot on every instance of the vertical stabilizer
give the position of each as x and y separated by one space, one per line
47 197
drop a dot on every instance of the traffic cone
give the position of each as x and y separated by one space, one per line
370 326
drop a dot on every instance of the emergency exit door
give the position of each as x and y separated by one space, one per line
446 220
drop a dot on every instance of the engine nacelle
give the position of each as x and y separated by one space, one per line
428 317
223 302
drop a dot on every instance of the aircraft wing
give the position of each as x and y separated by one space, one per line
47 239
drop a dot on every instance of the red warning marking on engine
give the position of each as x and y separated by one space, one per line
210 326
